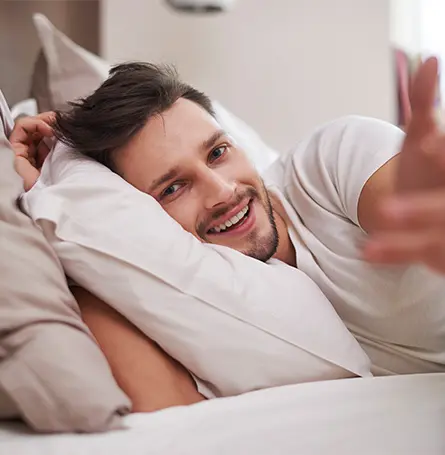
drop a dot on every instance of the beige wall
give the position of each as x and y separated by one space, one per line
282 65
18 39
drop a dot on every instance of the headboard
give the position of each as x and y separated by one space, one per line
19 45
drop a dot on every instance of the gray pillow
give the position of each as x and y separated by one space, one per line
40 84
52 373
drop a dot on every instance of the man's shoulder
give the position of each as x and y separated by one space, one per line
334 142
343 137
325 134
352 125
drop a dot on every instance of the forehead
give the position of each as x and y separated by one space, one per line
176 134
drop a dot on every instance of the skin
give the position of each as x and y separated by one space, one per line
30 150
401 206
201 178
150 377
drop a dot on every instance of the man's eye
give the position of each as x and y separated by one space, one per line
217 153
172 189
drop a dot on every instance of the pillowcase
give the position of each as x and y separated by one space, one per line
52 373
65 68
65 71
234 322
24 108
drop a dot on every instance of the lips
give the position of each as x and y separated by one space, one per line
231 222
240 223
228 214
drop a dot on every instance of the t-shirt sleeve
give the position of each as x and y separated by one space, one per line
331 165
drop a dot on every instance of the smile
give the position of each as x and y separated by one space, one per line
239 224
232 222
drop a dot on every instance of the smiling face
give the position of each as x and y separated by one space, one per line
196 172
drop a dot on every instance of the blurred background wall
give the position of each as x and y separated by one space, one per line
19 44
284 66
418 27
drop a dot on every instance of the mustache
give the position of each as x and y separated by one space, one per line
250 193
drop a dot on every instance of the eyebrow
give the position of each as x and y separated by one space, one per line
171 174
211 141
175 171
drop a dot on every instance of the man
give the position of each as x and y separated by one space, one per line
344 192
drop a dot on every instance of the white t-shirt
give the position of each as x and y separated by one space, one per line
397 313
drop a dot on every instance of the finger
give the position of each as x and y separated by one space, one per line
36 137
426 246
24 150
421 129
42 152
422 96
424 210
423 91
433 148
20 150
394 247
47 117
27 127
32 162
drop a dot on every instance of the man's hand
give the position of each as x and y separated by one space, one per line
30 149
411 224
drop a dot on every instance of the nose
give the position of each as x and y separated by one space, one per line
217 189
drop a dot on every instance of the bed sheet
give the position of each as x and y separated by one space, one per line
390 415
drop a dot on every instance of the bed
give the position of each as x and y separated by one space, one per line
391 415
386 415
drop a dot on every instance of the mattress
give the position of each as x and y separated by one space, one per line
386 415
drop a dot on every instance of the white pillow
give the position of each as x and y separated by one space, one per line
236 323
73 72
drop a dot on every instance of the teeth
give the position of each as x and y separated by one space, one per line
235 219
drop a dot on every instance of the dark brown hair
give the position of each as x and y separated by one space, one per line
103 122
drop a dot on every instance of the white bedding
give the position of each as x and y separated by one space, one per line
386 415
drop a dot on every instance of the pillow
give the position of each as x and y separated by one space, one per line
24 108
52 373
235 323
65 71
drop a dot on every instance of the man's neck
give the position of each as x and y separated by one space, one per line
285 251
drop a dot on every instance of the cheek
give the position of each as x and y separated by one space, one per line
244 171
183 212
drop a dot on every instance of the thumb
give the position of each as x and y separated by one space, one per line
424 87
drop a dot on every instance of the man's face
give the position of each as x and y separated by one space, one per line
196 172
